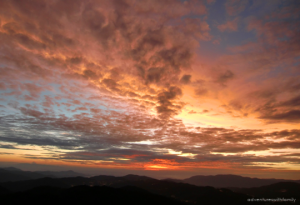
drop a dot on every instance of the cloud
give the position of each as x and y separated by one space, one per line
7 147
6 153
229 25
294 102
127 139
225 77
194 112
111 84
185 79
153 54
234 7
166 108
289 116
105 81
257 67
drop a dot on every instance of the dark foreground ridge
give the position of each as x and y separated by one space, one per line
87 195
281 189
134 189
139 185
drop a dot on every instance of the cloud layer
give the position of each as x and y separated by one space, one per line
134 83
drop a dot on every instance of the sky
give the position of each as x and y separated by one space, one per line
160 88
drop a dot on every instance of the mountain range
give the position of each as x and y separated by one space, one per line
14 174
229 181
134 189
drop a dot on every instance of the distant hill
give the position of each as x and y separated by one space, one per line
11 169
6 175
14 174
60 174
229 181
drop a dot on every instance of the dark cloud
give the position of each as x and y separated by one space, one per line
6 153
289 116
75 60
201 91
7 147
31 112
155 74
110 83
131 94
166 108
36 140
295 87
149 41
91 74
263 94
177 57
225 77
294 102
186 79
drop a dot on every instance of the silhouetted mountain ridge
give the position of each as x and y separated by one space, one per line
14 174
60 174
229 181
6 175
